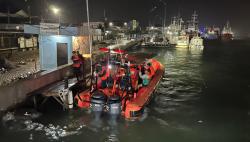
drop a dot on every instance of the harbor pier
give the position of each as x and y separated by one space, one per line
17 92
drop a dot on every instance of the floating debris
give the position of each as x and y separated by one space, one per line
9 116
200 121
162 122
31 137
22 63
112 138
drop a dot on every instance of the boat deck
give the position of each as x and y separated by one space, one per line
146 92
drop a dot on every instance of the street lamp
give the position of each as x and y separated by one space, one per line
125 24
56 11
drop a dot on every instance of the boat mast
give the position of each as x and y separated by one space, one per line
195 21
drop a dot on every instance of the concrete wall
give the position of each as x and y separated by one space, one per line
18 92
31 29
48 50
81 44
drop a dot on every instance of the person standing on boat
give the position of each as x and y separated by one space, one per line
76 65
145 77
104 74
134 75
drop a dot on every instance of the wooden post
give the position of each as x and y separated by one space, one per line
35 65
2 41
35 102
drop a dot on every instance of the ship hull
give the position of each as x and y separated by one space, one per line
227 37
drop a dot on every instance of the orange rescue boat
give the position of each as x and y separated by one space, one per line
114 98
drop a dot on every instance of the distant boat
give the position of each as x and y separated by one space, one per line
155 41
211 33
183 40
196 43
227 33
155 38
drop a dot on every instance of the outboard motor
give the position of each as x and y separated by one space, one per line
114 109
97 103
114 105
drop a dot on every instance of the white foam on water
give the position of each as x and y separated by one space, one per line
162 122
8 116
53 132
112 138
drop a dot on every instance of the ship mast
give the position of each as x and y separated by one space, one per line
227 28
193 23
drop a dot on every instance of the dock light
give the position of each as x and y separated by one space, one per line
170 33
109 66
111 24
125 23
152 27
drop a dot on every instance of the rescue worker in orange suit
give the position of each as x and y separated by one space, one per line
81 65
76 65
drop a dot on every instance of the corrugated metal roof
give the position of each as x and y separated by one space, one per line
19 14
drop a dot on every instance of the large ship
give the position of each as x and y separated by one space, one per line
174 29
227 33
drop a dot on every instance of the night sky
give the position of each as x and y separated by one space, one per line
211 12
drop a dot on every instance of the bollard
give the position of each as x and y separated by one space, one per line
70 99
66 83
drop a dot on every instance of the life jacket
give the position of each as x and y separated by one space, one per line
122 71
155 64
134 73
152 72
134 77
76 61
105 72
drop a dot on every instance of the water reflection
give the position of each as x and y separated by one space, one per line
113 131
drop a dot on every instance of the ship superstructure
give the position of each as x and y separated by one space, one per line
192 27
174 29
227 33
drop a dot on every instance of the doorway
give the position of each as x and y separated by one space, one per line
62 54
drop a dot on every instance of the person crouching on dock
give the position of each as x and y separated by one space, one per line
76 65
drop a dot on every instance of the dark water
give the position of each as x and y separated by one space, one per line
203 97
